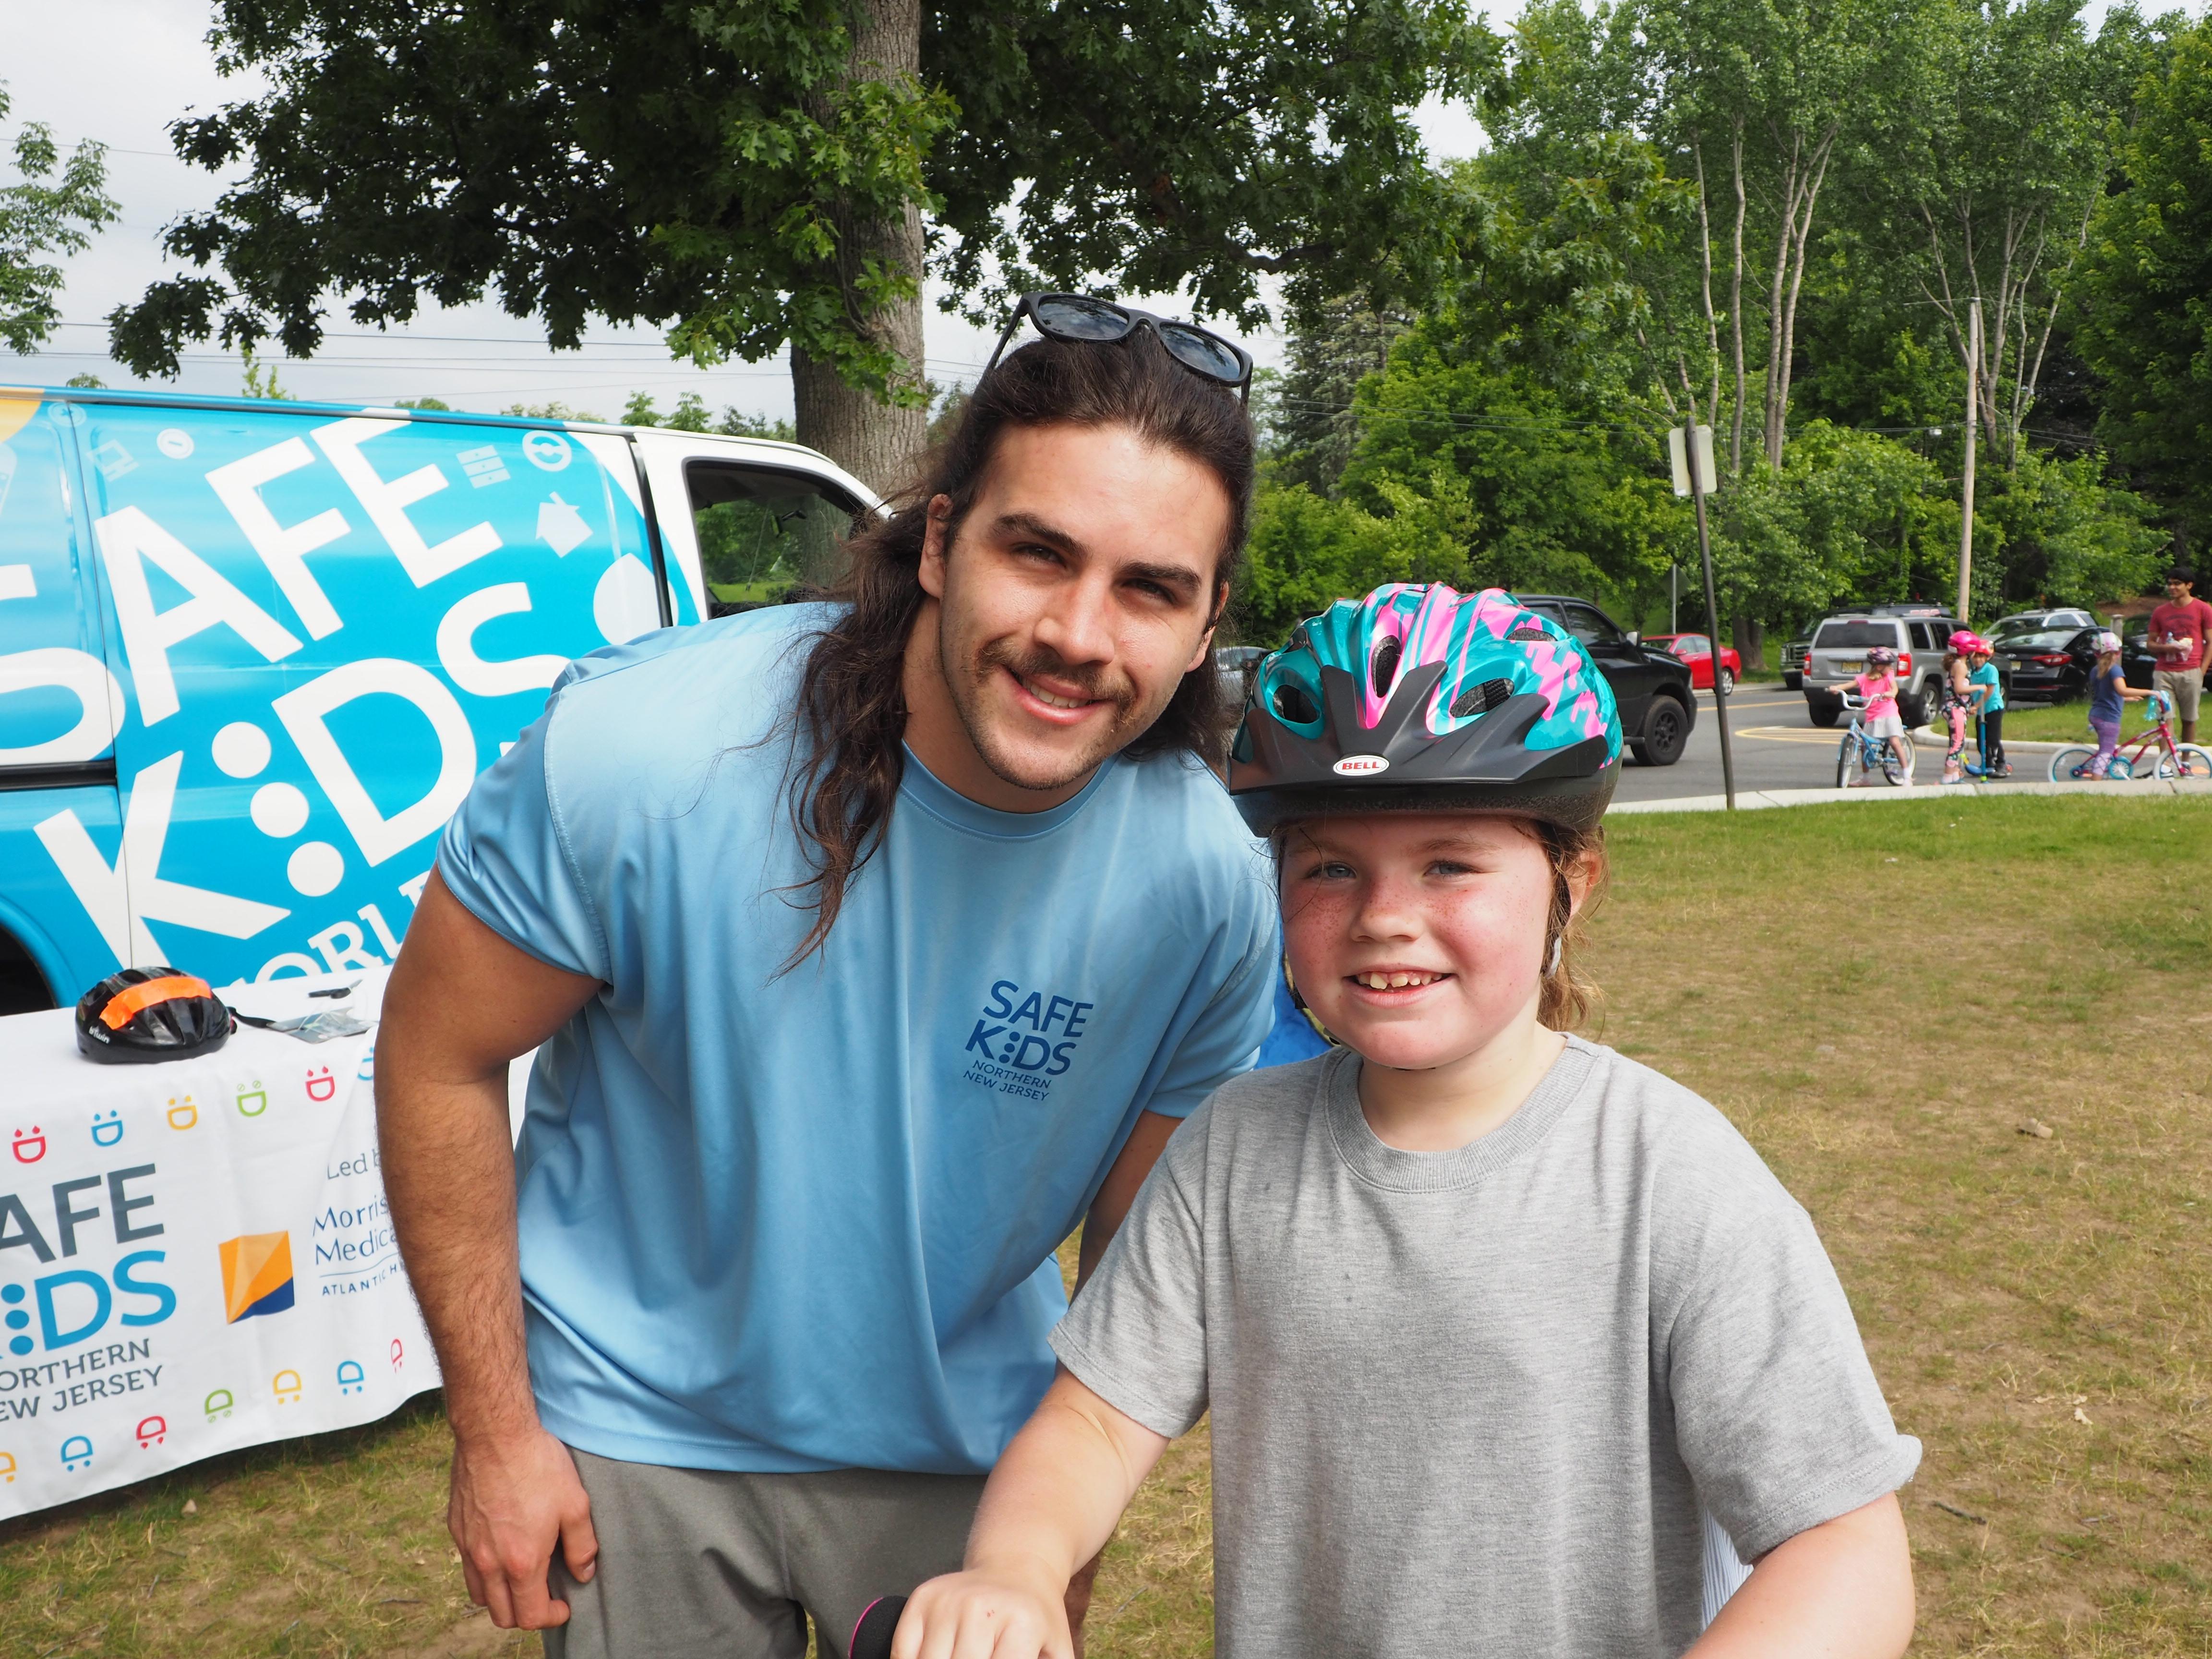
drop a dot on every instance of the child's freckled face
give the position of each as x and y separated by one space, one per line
1450 910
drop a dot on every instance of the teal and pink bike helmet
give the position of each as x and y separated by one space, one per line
1423 699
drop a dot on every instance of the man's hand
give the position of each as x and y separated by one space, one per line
997 1610
513 1501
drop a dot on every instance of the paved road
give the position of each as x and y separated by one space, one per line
1776 746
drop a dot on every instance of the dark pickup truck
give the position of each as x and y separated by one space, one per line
1650 687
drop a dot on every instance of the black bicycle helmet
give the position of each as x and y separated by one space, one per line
1423 699
142 1015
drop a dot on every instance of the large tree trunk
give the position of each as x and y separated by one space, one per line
875 441
1750 642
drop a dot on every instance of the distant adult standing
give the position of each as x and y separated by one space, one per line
2177 631
872 944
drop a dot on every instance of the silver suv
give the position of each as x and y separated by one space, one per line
1838 652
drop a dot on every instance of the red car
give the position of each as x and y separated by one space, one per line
1697 650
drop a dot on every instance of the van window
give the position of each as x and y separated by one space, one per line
761 530
1855 636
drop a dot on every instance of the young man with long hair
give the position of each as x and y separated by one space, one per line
873 944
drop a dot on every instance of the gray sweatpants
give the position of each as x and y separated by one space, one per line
705 1563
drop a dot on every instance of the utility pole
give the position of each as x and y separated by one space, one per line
1690 449
1966 482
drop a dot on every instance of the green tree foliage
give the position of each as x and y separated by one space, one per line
1515 434
1305 413
691 415
1980 178
54 207
750 175
2142 306
260 378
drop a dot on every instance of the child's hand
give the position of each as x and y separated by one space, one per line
986 1612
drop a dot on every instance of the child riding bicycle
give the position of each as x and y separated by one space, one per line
1486 1315
2108 690
1878 686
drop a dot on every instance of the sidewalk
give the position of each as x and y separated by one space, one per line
1753 801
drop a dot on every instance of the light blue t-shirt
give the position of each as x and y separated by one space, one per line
805 1220
1986 675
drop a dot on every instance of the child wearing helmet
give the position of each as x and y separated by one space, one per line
1494 1325
1877 684
1989 708
1958 701
2108 690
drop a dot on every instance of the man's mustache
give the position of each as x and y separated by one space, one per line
1092 683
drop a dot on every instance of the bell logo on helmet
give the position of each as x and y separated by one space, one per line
1360 766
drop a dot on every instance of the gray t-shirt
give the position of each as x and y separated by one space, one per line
1471 1401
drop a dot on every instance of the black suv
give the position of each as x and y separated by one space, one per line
1651 688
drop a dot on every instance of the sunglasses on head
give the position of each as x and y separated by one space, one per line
1077 320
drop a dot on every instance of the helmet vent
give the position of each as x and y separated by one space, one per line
1480 699
1529 630
1291 704
1386 666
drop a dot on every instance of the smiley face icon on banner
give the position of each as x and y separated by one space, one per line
107 1128
152 1431
31 1146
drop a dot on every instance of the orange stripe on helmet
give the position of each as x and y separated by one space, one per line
146 994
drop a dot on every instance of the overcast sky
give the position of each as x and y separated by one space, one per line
120 70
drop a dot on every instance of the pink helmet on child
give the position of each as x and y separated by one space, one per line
1881 657
1967 643
2105 643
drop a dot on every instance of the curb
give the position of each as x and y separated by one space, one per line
1754 800
1925 738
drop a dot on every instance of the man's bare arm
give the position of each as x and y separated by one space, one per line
1119 1190
461 1004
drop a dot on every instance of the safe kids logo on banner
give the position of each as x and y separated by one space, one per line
1024 1039
257 1275
167 1293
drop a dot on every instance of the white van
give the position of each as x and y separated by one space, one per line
253 653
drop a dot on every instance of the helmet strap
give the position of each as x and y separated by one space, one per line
1551 963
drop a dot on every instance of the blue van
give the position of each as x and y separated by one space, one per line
253 653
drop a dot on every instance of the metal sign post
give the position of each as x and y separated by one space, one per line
1691 448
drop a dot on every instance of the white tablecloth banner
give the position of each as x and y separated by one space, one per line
194 1256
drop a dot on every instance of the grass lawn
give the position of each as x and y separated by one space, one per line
2039 1311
